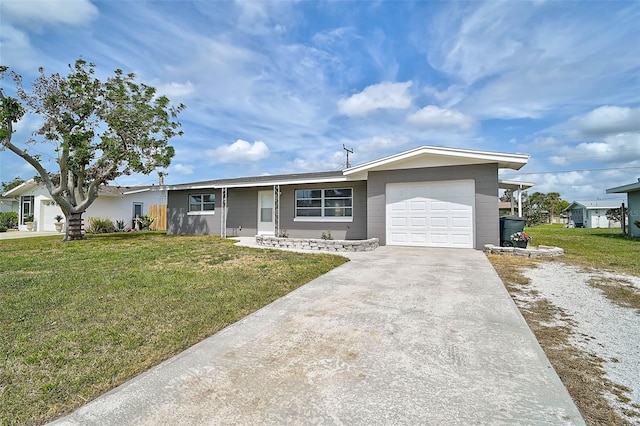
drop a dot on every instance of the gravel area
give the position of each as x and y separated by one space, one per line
601 327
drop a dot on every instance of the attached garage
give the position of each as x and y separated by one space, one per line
431 214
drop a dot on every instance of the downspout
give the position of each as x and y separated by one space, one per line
223 218
276 210
520 200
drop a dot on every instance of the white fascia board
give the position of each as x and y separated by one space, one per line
249 184
514 184
30 184
136 191
624 188
504 160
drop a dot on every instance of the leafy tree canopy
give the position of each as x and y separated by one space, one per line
8 186
540 207
100 130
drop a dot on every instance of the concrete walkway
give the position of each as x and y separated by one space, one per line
395 336
11 235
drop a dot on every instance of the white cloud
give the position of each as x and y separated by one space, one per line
433 117
509 67
380 143
183 169
557 160
175 90
239 152
384 95
20 18
621 148
34 13
608 120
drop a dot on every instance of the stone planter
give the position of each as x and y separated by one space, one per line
29 226
59 226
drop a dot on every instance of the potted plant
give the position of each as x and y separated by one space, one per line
58 223
520 239
28 221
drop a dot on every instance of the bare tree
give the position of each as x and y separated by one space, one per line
100 131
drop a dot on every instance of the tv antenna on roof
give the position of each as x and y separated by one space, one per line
349 151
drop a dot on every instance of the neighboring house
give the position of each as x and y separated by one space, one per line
633 205
116 203
8 205
593 213
427 196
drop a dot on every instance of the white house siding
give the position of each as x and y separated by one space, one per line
597 218
114 207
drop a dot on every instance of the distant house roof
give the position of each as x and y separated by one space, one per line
108 190
609 203
632 187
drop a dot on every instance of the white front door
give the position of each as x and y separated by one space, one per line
266 225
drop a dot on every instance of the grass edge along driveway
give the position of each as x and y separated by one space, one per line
78 319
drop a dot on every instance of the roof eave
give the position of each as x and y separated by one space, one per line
632 187
504 160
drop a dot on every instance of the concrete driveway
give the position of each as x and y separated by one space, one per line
396 336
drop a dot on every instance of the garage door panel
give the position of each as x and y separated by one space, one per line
399 221
439 222
420 222
460 222
434 214
416 238
398 238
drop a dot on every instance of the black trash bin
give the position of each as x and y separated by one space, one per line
508 226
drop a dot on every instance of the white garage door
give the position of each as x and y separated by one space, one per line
431 214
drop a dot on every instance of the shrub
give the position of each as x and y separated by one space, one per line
326 235
120 226
3 228
146 221
100 225
9 219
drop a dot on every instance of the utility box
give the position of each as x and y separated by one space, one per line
510 225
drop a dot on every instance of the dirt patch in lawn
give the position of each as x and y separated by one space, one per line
584 360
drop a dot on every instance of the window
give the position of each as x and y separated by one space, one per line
324 204
202 203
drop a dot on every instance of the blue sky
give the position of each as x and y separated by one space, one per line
279 87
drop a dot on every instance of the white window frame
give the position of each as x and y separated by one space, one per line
201 212
322 207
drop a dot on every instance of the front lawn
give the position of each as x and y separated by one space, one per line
597 248
78 319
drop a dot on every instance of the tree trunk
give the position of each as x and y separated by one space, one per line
74 227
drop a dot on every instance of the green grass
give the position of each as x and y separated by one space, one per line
77 319
598 248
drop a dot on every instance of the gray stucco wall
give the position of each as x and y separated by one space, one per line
242 214
633 199
355 230
178 222
487 224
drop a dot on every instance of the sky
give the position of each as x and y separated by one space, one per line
277 87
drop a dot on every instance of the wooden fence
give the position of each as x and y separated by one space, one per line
159 213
